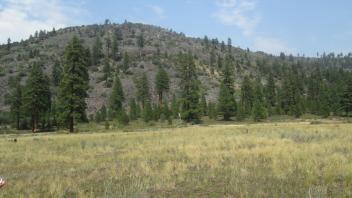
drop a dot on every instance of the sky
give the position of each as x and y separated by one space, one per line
304 27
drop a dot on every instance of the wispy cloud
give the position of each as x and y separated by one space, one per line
237 13
241 14
20 18
158 11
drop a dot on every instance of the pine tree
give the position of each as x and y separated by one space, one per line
134 114
117 97
229 45
346 100
227 104
97 53
247 97
143 94
122 117
203 105
147 112
8 44
16 103
175 107
107 72
259 111
74 85
37 97
162 84
270 93
126 62
115 48
190 111
212 111
56 73
140 43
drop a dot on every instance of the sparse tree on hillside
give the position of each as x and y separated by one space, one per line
8 44
143 94
140 43
162 84
126 62
74 85
97 53
247 97
115 48
107 72
229 45
117 97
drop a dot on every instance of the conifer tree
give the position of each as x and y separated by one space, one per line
175 107
126 62
37 97
97 53
270 93
143 94
8 44
140 42
229 45
162 84
56 73
115 48
247 97
190 111
227 104
16 102
74 85
259 111
147 112
133 114
346 100
107 72
117 97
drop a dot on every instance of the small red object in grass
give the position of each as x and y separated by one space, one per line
2 182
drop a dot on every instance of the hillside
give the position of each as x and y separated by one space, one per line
160 49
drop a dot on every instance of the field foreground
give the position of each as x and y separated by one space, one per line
258 160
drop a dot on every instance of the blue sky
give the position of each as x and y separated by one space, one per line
292 26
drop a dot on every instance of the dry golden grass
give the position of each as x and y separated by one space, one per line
258 160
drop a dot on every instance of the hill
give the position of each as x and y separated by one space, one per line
160 48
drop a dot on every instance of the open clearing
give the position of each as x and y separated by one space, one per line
257 160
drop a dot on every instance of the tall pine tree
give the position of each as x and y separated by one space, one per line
74 85
37 97
162 82
190 111
117 97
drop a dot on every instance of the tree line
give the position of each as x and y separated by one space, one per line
35 105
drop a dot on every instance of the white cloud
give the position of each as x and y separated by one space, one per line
271 45
237 13
158 11
20 18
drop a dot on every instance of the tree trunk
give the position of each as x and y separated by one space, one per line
18 122
71 124
33 124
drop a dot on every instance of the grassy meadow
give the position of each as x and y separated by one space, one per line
286 159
